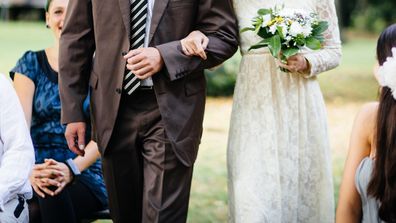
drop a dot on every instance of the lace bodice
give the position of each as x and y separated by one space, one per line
321 60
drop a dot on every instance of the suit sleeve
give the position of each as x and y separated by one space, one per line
77 46
216 19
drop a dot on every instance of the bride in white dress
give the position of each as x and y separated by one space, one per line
279 163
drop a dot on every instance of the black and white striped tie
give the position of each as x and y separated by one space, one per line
138 31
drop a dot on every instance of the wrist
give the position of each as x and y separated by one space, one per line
307 67
73 168
160 59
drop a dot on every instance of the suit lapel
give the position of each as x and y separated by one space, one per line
126 14
158 11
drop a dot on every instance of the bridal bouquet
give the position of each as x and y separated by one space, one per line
285 31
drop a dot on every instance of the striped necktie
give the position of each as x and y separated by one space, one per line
138 32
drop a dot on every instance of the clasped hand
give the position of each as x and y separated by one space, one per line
144 62
50 177
195 44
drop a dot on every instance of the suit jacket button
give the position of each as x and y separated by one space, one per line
118 90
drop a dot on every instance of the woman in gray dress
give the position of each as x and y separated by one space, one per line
368 189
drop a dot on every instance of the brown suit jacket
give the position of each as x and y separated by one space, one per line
100 29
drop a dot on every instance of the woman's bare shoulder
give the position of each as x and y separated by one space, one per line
366 120
369 111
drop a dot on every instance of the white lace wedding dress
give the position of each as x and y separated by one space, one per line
278 154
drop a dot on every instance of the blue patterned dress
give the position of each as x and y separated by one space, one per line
46 130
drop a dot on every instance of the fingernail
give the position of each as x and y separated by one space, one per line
81 147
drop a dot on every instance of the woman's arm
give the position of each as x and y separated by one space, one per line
82 163
91 155
39 178
25 88
328 57
349 208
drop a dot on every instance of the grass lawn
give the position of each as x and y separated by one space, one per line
345 89
352 81
16 38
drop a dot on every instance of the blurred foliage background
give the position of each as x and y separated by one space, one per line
366 15
363 17
345 89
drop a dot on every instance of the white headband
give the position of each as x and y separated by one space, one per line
387 73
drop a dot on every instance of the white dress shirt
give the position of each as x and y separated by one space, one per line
16 149
148 81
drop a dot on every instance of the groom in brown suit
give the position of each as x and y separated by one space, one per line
147 97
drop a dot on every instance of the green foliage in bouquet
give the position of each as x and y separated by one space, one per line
286 31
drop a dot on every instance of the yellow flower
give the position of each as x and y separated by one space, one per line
272 22
279 19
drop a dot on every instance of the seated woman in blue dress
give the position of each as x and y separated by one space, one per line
62 194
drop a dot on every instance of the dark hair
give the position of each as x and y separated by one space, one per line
47 5
382 185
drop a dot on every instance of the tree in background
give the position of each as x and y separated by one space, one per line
367 15
345 10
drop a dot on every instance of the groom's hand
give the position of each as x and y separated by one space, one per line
144 62
75 137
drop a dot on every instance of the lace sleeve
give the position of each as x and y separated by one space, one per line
328 57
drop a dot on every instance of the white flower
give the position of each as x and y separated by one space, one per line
272 29
278 8
387 73
295 29
286 12
287 40
284 29
266 20
307 30
291 13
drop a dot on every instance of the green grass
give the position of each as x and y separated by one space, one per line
351 82
16 38
209 188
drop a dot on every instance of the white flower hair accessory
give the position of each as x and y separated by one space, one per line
387 73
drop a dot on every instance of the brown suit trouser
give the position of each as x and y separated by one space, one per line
145 180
